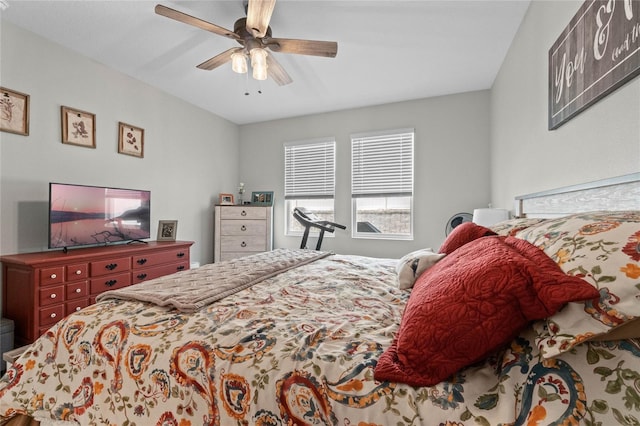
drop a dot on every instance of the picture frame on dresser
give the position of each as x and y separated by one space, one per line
167 230
262 198
226 199
15 112
78 127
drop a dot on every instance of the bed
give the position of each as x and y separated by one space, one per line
300 337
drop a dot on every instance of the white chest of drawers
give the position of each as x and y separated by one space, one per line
241 231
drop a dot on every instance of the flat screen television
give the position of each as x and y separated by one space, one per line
83 215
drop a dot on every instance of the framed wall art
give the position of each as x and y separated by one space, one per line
596 53
14 112
130 140
226 199
262 198
78 127
167 230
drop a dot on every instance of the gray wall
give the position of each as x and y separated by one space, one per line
190 155
451 164
601 142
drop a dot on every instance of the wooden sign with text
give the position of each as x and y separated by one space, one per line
597 52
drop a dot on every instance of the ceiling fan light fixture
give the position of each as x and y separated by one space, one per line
254 34
259 63
239 62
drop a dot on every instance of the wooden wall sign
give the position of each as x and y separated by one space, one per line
596 53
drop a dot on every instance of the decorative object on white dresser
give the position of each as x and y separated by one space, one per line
241 231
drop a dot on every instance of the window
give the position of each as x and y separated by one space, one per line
309 180
382 185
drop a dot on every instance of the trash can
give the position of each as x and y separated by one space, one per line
6 340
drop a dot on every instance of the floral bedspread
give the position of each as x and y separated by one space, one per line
300 348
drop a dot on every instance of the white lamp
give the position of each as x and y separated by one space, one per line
489 216
239 62
259 63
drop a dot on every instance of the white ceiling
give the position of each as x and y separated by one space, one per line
388 51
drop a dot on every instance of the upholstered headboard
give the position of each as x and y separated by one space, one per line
618 193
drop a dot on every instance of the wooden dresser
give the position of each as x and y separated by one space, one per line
39 289
241 231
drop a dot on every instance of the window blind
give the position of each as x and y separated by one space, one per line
382 164
309 170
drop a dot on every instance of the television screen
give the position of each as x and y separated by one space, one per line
82 215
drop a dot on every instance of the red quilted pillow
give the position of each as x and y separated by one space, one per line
471 303
463 234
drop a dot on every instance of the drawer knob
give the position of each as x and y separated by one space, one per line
110 283
54 276
243 228
142 276
79 272
243 244
243 213
78 308
181 254
53 315
142 261
111 266
53 295
78 290
180 268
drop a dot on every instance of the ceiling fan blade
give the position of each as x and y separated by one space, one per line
219 59
303 47
276 72
258 16
196 22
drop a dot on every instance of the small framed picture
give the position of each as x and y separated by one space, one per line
14 112
262 198
130 140
78 127
226 199
167 230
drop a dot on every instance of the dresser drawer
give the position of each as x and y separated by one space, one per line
242 213
51 295
243 227
49 316
77 272
240 244
76 290
111 282
75 305
229 255
144 261
53 275
104 267
158 271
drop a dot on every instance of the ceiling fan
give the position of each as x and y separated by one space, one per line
253 33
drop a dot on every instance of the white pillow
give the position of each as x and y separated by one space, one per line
415 263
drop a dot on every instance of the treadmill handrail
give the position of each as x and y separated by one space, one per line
309 221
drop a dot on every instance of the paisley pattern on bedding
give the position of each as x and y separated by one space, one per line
300 348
